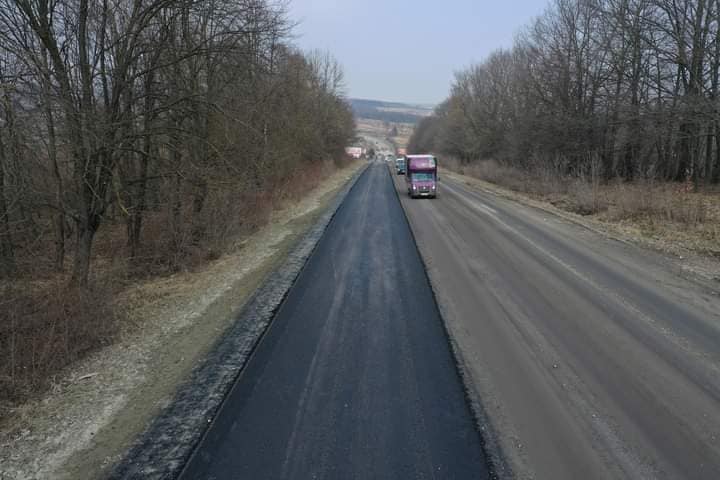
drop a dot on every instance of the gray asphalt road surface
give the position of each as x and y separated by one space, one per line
354 378
592 358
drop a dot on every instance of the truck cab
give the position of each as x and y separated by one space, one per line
400 166
421 176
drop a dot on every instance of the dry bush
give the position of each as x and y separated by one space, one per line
584 186
303 179
632 202
585 198
543 181
491 171
658 202
174 240
690 210
43 328
231 216
583 192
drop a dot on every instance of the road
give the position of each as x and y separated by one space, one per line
354 378
590 357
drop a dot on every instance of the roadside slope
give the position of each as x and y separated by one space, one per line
99 406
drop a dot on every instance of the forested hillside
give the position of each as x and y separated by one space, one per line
388 111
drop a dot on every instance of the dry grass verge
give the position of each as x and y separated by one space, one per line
671 217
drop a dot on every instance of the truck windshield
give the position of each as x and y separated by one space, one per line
423 177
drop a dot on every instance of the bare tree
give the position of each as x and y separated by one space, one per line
632 81
146 103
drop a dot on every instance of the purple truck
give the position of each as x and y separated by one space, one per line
421 177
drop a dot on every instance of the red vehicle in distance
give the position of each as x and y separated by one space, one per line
421 175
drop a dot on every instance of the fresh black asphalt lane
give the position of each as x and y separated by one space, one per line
354 378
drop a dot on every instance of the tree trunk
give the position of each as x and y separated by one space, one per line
7 258
709 151
59 215
715 176
83 252
136 218
684 165
59 221
147 152
713 155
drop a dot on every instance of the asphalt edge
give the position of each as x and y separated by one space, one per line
498 467
162 450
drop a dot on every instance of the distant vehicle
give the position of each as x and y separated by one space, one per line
354 152
421 176
401 152
400 166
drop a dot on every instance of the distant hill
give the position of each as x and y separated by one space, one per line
389 111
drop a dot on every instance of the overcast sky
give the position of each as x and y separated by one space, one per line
407 50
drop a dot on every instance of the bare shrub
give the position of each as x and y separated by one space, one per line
689 209
489 171
585 199
583 191
231 216
45 327
186 239
492 171
631 202
584 187
658 202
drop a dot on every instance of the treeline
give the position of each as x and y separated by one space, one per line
383 111
628 88
170 115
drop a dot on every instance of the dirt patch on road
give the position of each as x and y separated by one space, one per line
95 409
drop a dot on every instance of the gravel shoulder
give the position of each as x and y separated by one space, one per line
96 408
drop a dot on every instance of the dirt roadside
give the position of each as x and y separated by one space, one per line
688 260
96 408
